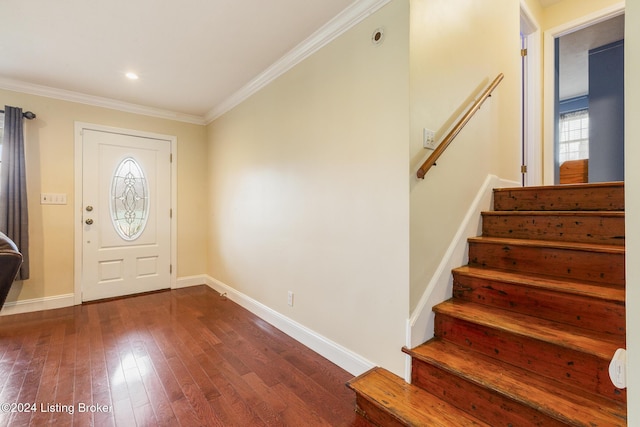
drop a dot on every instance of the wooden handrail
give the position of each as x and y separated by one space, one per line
433 158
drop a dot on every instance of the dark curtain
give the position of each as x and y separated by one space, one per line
13 187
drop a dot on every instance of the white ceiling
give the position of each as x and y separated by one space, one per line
192 56
195 58
574 54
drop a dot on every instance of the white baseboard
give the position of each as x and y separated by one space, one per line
341 356
37 304
187 281
67 300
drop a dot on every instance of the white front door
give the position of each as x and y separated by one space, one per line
126 205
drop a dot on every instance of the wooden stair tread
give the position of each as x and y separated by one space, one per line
597 344
591 185
559 401
587 247
407 404
609 214
583 288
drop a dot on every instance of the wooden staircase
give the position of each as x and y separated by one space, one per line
534 320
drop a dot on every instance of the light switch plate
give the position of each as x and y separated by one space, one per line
429 139
53 199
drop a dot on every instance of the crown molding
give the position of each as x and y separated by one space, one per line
97 101
347 19
351 16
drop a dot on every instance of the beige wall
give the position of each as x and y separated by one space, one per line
49 146
568 10
535 8
309 191
632 197
457 48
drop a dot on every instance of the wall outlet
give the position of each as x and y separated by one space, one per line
429 139
290 298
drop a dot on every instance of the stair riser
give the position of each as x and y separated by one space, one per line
385 399
567 198
583 229
605 268
572 367
480 402
584 312
374 414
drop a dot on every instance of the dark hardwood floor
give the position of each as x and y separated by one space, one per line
183 357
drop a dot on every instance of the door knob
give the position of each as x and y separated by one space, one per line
88 221
89 208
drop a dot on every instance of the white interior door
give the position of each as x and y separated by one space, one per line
126 202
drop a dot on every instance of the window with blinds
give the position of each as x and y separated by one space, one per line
574 136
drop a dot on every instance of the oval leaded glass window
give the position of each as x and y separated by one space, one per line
129 199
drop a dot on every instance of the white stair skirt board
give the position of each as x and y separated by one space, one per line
420 325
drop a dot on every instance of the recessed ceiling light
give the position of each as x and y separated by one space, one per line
132 76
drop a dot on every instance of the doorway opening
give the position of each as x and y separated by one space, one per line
589 118
570 50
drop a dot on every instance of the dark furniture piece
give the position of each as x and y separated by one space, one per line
10 262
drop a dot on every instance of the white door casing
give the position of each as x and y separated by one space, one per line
532 123
125 240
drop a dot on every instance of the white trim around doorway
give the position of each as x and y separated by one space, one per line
532 84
